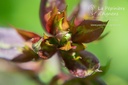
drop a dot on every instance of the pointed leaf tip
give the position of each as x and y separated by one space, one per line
27 35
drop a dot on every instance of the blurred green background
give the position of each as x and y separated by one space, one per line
24 14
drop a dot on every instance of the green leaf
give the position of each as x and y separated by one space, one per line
103 36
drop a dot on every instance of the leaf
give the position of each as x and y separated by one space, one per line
65 22
53 41
45 48
82 67
89 60
27 35
78 47
44 9
26 55
48 50
88 31
35 39
67 46
37 45
103 36
60 4
104 68
57 22
50 27
91 80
